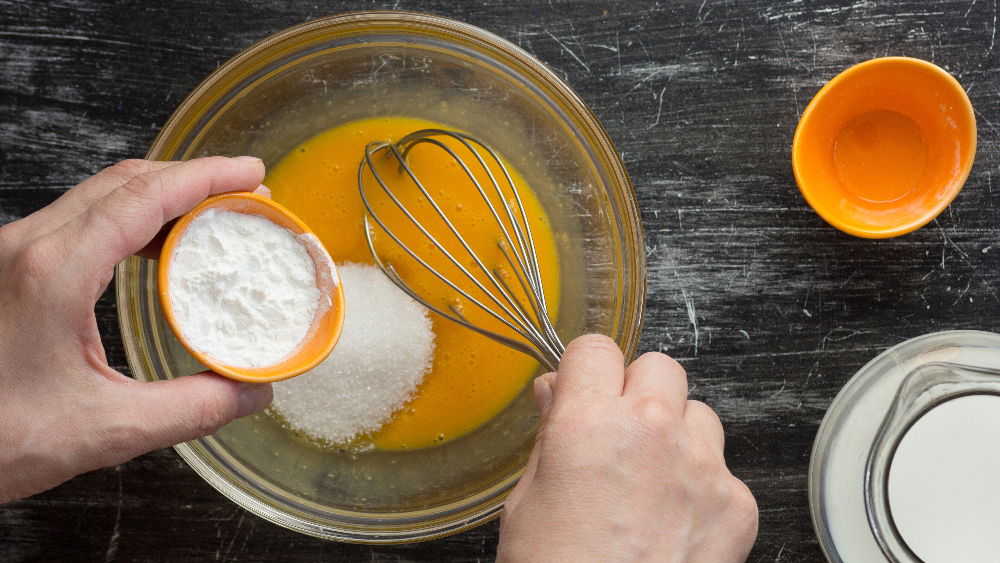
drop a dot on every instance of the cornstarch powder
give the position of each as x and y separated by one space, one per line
384 351
243 288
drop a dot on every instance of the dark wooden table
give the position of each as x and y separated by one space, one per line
768 308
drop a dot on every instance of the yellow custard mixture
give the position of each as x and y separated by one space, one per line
472 378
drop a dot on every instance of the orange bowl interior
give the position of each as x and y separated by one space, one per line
885 146
326 325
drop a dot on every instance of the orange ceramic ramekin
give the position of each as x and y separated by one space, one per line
885 146
326 325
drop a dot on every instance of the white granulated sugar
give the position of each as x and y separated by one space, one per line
243 288
384 351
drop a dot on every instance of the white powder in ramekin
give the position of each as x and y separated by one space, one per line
243 288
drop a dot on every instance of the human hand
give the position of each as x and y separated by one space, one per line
63 411
625 469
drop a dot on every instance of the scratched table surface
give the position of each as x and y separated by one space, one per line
768 308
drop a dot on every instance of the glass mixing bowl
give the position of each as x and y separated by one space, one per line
315 76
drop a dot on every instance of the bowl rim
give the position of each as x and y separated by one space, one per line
837 82
486 505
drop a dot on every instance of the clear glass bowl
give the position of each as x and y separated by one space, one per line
315 76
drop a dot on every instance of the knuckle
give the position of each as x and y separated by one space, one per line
661 365
214 414
654 414
139 201
595 343
705 414
38 261
145 186
660 362
126 170
9 237
665 363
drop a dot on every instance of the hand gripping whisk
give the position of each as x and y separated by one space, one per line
527 318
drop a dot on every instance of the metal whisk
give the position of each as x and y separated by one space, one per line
531 320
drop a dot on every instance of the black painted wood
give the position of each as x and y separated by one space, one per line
769 309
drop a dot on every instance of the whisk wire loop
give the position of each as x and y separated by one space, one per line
539 307
550 347
527 259
495 275
530 322
526 247
522 322
455 316
396 279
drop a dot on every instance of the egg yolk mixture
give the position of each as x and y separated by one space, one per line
473 378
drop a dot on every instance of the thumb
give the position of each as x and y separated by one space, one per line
187 408
543 398
521 488
543 393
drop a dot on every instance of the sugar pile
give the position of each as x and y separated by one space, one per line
243 288
384 351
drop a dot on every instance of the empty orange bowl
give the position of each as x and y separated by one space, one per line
885 146
326 324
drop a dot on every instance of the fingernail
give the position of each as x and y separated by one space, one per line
263 190
254 397
543 395
246 158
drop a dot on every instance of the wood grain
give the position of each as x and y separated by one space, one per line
769 309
